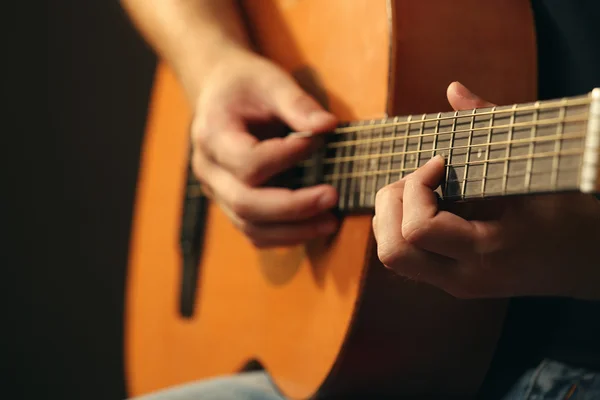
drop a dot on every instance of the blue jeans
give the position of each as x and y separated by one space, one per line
550 380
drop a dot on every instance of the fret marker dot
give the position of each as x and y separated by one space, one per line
479 152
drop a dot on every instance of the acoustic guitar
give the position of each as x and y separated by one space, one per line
326 319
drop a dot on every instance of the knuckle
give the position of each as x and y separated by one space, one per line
202 135
199 130
240 206
390 255
387 193
249 173
200 141
246 228
381 195
410 182
299 99
416 233
251 232
199 168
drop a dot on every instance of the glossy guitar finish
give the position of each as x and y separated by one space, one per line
327 318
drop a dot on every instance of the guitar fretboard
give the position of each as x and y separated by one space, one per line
517 149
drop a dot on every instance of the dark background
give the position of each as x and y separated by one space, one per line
71 205
72 176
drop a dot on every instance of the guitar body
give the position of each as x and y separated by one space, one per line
326 318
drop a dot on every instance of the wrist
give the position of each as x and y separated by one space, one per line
194 68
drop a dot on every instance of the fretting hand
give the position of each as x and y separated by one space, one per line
543 245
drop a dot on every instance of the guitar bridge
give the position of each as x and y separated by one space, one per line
193 222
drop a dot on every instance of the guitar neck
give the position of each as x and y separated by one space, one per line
530 148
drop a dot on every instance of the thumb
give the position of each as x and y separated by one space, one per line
299 110
461 98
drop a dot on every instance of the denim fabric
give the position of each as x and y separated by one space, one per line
243 386
551 380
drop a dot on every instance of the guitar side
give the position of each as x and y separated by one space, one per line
326 317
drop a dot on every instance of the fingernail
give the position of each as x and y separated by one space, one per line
465 93
319 117
327 200
436 158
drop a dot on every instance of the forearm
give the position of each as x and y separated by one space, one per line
191 35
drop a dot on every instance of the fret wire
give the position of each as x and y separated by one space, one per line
513 125
487 153
502 159
527 140
378 168
499 176
368 137
540 189
531 150
405 147
388 177
345 168
341 160
452 133
558 144
365 166
510 134
420 144
332 178
544 106
336 169
354 166
436 132
468 155
593 113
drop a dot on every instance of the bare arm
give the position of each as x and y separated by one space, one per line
191 35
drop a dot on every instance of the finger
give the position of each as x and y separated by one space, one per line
262 205
461 98
295 107
253 161
441 232
420 205
397 254
286 234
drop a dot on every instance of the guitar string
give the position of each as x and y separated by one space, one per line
528 125
359 174
509 175
463 182
556 105
196 190
529 140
